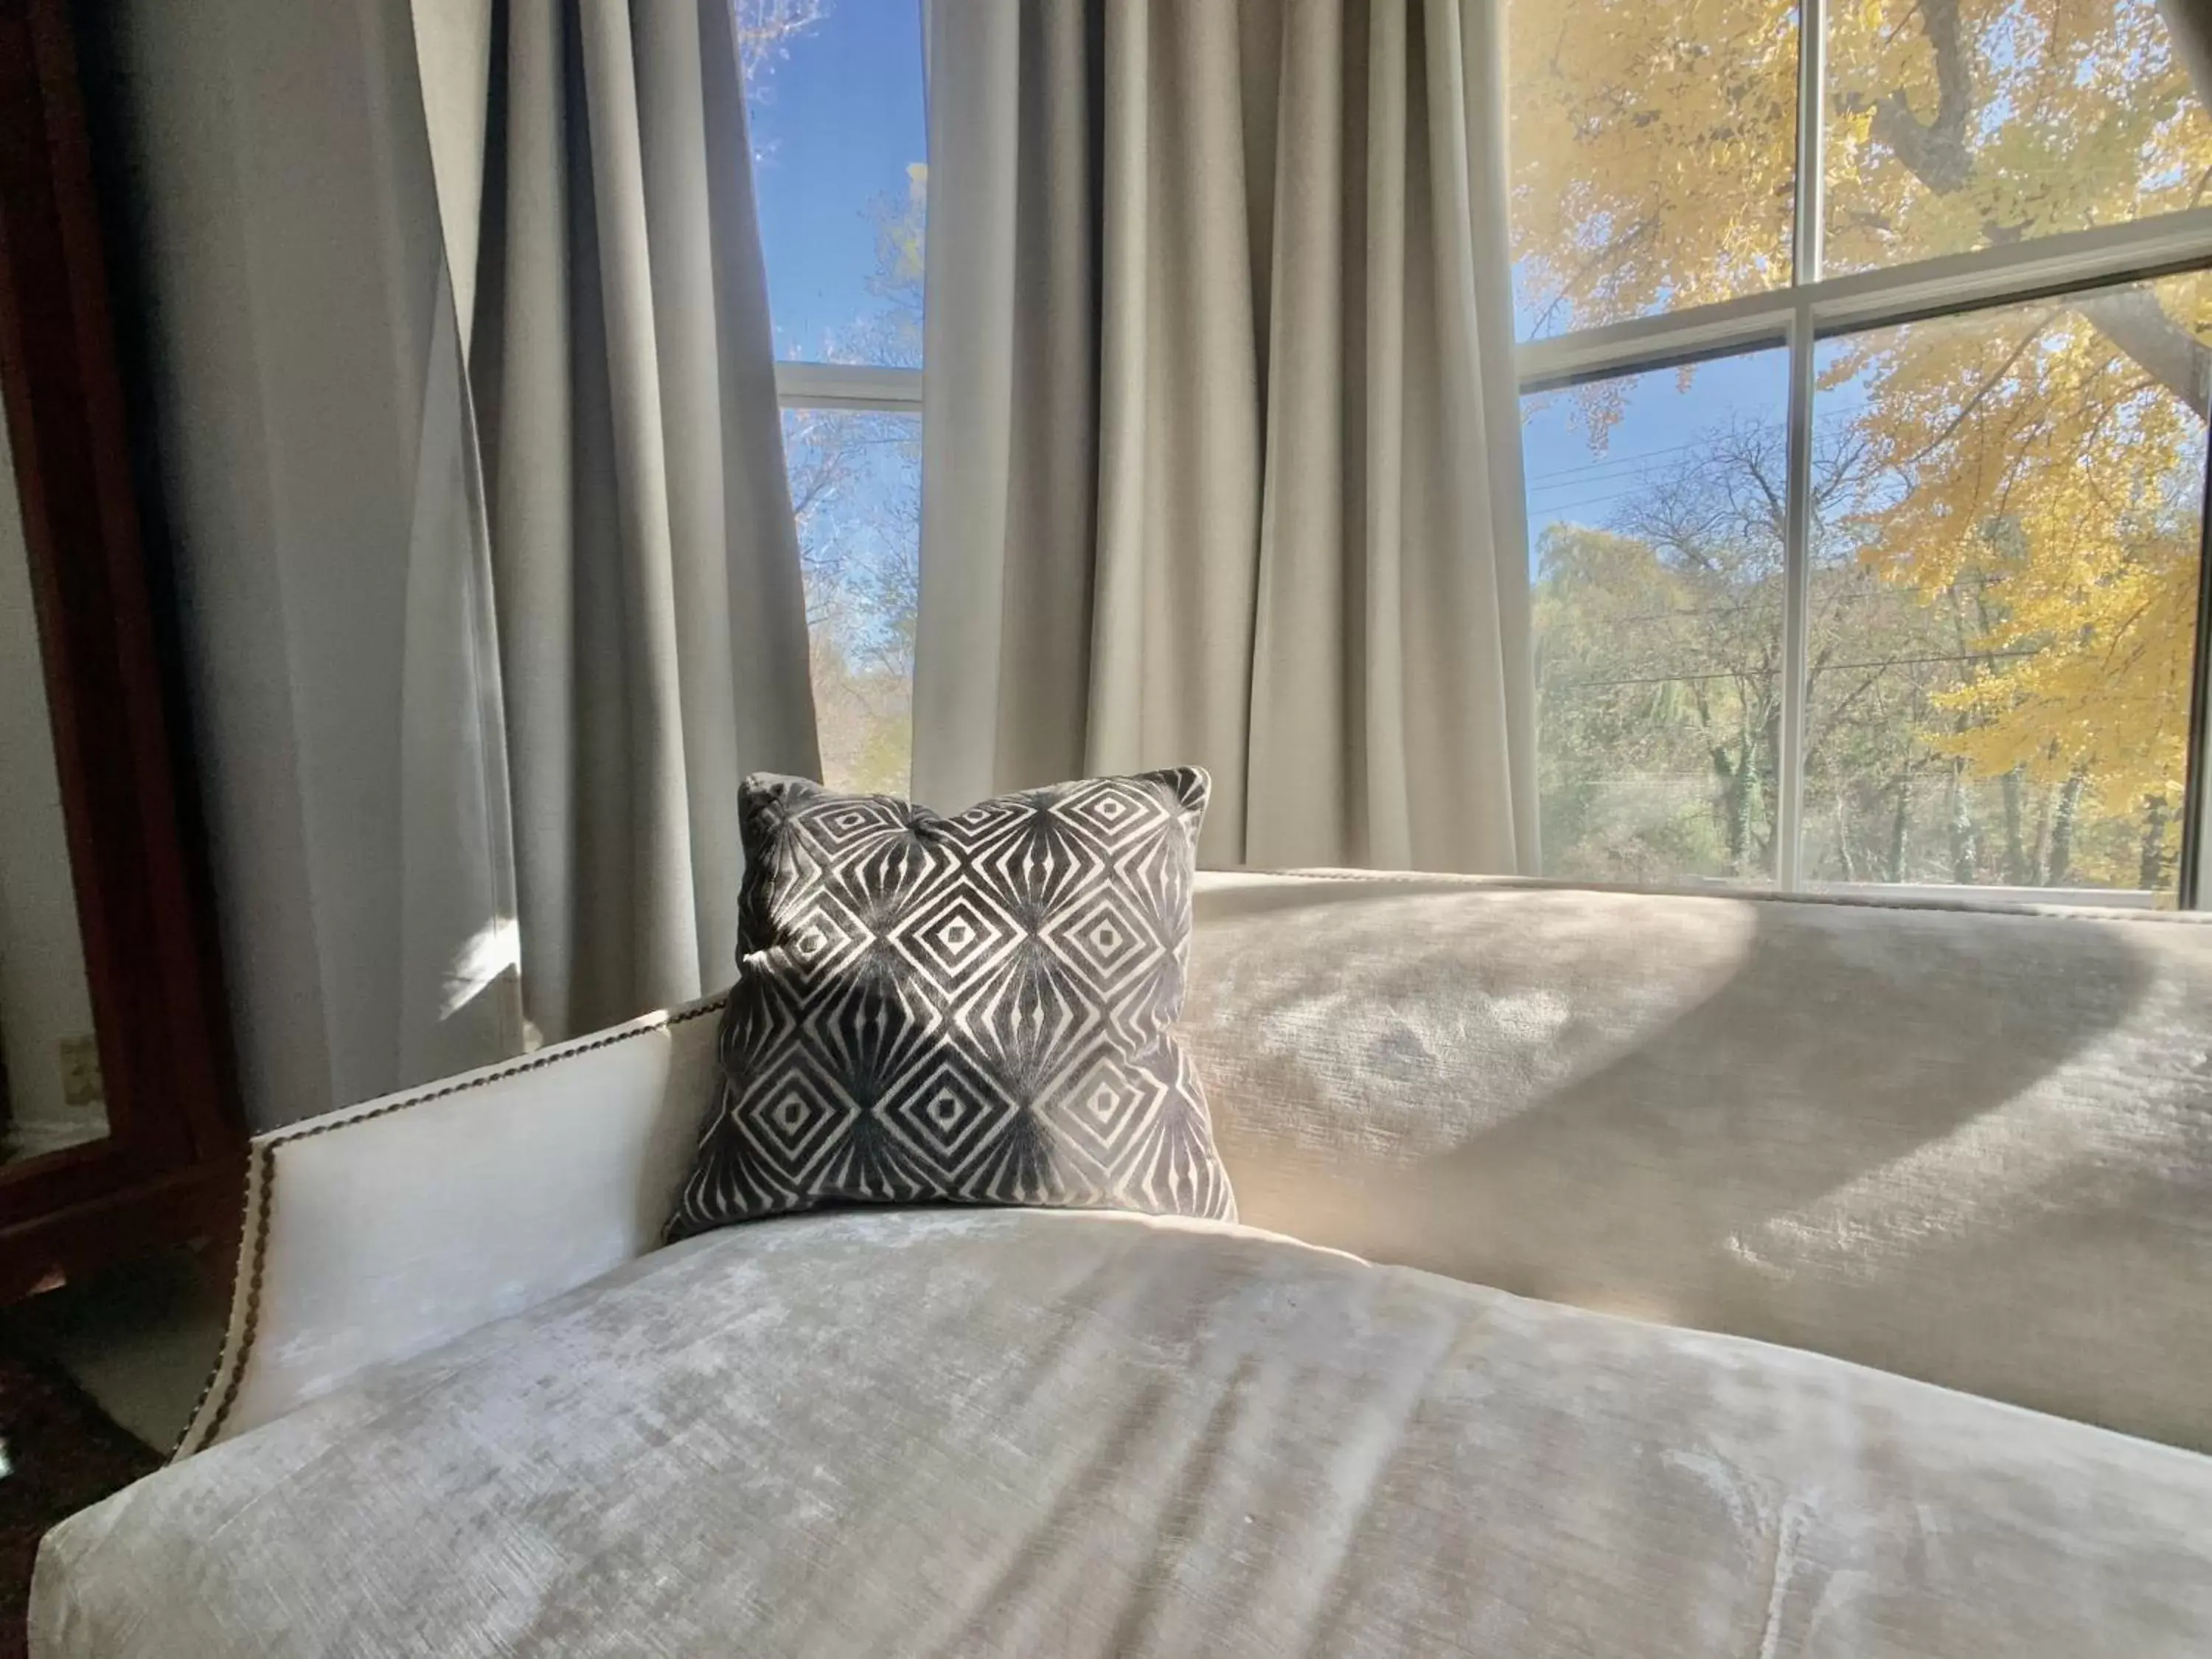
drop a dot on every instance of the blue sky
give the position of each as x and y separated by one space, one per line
836 124
1570 483
837 120
839 117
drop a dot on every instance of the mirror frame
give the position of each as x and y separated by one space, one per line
171 1167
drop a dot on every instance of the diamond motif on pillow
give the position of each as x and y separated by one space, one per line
788 1126
1112 816
1104 1107
946 1109
1106 941
955 942
978 1008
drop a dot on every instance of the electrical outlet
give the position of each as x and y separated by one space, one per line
81 1084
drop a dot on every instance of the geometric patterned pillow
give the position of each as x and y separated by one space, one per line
978 1008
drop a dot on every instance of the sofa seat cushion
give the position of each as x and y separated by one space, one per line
973 1432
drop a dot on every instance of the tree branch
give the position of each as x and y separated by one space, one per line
1935 152
2132 319
1979 395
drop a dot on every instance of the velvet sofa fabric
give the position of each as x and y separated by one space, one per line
1965 1147
1968 1147
1974 1147
969 1433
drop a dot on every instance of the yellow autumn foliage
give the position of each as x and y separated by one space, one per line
2041 463
2048 457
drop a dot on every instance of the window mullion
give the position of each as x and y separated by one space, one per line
1805 265
1796 689
2193 875
847 386
2064 263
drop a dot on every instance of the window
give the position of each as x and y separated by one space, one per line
856 488
1866 358
834 90
1658 579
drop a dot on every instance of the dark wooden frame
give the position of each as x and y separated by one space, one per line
171 1166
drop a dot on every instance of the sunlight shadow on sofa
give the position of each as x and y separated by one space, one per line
1926 1139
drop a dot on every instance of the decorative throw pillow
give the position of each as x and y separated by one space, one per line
978 1008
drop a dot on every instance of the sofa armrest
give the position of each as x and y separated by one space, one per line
384 1229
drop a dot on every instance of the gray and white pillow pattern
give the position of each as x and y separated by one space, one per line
978 1008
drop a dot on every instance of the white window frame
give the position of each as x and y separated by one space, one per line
800 385
1815 307
847 385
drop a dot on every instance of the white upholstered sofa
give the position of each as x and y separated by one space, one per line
1766 1278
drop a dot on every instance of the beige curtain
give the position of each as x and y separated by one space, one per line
594 179
1221 455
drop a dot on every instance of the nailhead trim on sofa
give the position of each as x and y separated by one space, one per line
261 1184
261 1187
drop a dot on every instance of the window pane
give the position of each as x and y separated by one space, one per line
1655 502
856 487
1971 123
1653 155
834 90
2004 594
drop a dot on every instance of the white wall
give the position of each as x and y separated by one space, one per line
43 999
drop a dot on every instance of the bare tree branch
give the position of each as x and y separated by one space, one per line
766 28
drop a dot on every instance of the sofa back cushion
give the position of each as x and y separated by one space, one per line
1971 1147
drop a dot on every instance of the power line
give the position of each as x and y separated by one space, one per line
1560 509
1648 476
1615 460
1644 455
1826 668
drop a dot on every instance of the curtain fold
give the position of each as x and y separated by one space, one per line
593 173
1221 454
460 994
